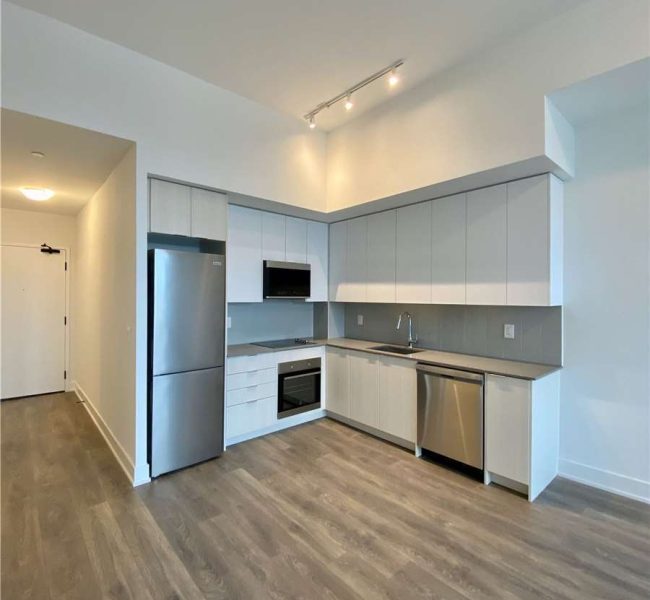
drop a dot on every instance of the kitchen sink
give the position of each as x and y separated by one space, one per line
395 349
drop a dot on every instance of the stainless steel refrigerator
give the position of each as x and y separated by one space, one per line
186 358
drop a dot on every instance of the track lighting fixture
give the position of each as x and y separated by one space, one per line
393 80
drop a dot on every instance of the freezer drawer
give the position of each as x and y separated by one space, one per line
188 311
186 419
450 414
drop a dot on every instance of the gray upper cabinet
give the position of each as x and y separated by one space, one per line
296 240
493 246
357 260
244 255
209 214
413 256
486 246
169 207
535 241
183 210
273 236
382 240
338 252
449 238
317 234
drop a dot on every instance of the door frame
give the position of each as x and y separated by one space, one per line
67 382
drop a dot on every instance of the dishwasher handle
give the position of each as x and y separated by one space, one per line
450 373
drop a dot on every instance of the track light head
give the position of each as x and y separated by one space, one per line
349 105
393 78
312 123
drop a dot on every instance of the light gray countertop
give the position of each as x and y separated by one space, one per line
252 349
479 364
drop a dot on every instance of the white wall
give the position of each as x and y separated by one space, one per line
605 407
483 114
36 228
104 308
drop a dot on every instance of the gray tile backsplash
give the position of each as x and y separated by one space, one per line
466 329
270 320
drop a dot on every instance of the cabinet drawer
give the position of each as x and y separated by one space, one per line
248 394
251 416
246 379
241 364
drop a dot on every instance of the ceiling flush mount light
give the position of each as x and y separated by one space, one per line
347 94
37 154
37 194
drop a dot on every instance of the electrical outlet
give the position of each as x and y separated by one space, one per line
359 319
229 322
509 331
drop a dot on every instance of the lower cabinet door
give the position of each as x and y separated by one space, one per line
338 398
507 427
364 389
250 416
398 398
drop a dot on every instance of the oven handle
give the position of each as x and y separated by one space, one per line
299 375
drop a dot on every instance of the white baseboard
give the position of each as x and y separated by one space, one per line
279 425
630 487
123 459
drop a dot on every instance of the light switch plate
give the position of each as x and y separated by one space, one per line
229 322
509 331
359 319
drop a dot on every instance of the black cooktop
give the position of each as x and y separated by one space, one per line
292 343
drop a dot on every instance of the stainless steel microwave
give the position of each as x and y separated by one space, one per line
286 279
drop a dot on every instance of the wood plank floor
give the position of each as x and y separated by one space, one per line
319 511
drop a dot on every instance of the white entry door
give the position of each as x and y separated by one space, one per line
33 329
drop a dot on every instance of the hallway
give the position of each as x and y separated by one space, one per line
315 511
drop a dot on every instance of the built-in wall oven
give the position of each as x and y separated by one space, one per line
298 386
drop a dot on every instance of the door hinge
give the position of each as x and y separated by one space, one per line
66 265
65 374
65 320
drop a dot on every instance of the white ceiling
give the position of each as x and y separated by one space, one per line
77 162
292 55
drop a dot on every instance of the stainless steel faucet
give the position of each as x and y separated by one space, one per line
413 339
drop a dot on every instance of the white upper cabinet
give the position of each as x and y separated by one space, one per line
357 259
338 252
183 210
487 246
413 256
448 264
244 255
273 236
296 240
317 234
382 238
169 207
535 241
209 214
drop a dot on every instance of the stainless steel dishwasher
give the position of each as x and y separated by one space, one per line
450 413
